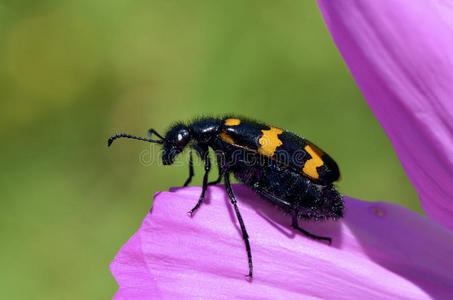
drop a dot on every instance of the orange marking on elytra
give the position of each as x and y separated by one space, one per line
232 122
226 137
314 162
269 141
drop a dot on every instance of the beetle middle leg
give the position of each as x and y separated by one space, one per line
245 235
220 165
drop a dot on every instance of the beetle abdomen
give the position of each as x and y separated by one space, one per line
284 187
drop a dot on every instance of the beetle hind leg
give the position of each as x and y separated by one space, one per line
295 225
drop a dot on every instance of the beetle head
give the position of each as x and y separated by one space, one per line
174 142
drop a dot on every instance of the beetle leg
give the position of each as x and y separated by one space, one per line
221 172
204 153
151 131
245 235
295 225
190 169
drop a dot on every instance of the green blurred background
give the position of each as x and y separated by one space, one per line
74 72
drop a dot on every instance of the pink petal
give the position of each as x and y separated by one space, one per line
401 55
379 250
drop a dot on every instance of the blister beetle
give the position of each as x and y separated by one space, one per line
282 167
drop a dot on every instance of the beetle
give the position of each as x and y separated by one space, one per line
288 170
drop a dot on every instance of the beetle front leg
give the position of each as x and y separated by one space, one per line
204 153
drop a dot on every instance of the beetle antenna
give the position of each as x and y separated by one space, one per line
151 131
120 135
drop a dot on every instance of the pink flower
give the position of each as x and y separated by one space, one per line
400 54
379 250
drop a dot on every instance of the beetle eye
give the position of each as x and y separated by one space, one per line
182 138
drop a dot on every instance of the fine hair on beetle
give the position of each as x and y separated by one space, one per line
283 168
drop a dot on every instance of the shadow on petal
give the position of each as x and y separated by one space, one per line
281 220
